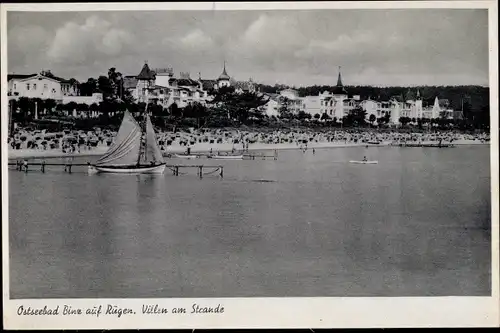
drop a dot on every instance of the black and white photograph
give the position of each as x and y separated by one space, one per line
225 154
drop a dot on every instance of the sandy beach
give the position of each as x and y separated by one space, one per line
199 148
71 143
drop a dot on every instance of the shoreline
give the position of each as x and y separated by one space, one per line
221 147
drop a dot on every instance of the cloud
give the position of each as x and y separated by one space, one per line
191 46
299 47
270 36
197 39
274 32
27 46
76 43
28 37
344 44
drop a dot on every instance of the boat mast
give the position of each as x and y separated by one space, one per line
11 122
148 77
142 151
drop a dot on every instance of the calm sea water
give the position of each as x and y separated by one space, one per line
416 224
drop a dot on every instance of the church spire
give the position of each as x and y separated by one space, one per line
224 75
339 88
224 71
339 80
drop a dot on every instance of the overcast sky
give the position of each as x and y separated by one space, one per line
374 47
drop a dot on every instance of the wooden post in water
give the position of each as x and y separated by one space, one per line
67 167
176 172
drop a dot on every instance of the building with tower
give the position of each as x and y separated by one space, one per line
224 80
332 102
145 83
164 88
335 102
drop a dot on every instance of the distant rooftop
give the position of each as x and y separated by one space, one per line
46 74
146 73
19 76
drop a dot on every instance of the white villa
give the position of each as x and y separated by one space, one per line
337 104
43 85
413 109
47 86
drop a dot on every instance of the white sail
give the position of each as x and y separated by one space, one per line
152 150
126 147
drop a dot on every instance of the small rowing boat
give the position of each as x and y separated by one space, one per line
189 157
227 157
364 162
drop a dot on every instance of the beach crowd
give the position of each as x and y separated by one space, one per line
74 142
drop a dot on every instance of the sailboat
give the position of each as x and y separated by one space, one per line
134 150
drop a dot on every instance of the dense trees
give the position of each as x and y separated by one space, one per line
88 88
372 119
303 116
110 86
238 107
196 111
24 107
357 117
284 111
175 111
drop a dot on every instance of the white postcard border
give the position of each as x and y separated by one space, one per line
317 312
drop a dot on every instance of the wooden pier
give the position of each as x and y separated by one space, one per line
215 168
25 166
263 156
246 155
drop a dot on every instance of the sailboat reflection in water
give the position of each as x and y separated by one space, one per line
134 150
